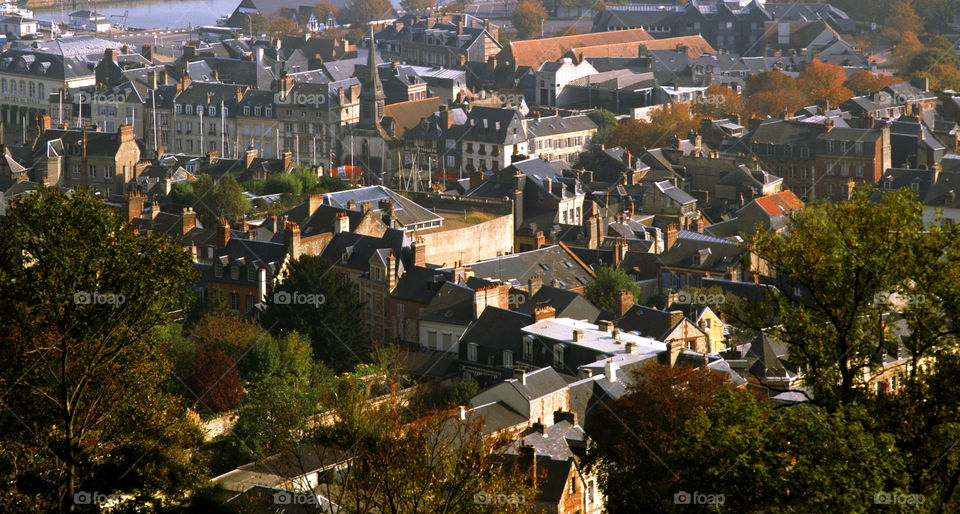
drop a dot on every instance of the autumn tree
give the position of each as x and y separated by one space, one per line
215 382
281 25
902 18
528 18
412 6
324 10
82 360
940 66
362 12
666 122
718 101
864 83
824 81
907 44
771 93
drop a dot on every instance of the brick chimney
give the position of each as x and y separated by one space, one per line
544 312
126 133
624 302
386 207
541 240
147 52
249 156
527 458
313 203
671 236
446 120
700 224
619 251
341 223
675 317
534 284
419 249
188 220
43 123
675 348
291 235
133 207
476 178
223 233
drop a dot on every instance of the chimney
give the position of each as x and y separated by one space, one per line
671 236
152 79
223 233
517 208
366 207
291 235
126 133
674 348
419 248
386 206
675 317
527 458
189 51
351 204
133 207
446 121
287 160
476 178
188 220
700 223
610 370
534 284
147 52
341 223
480 298
541 240
562 415
577 335
520 375
544 312
619 251
43 123
463 413
624 302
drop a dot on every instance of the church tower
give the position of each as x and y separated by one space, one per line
372 98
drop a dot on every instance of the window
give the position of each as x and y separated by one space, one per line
859 170
844 170
107 172
249 301
189 109
573 485
558 356
3 86
447 341
246 110
76 169
269 111
805 173
507 359
177 109
33 89
432 340
472 352
829 189
235 301
830 170
590 497
212 111
91 171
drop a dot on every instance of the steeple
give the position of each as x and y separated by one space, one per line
372 98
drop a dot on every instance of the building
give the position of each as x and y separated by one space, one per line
17 27
423 41
560 138
89 21
103 161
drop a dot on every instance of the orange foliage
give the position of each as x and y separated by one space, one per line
824 81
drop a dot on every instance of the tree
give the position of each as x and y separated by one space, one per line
461 393
864 83
901 18
215 381
603 291
528 18
320 302
843 261
82 362
324 10
280 25
771 93
224 199
824 81
414 6
224 331
273 418
606 123
289 357
718 101
907 44
362 12
665 122
686 429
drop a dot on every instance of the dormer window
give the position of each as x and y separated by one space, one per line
199 110
189 109
269 111
235 272
217 269
212 111
246 110
177 108
251 273
256 110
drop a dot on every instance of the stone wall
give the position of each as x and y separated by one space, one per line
472 243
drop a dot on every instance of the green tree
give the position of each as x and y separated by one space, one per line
603 291
844 260
224 199
606 123
81 358
320 302
461 393
413 6
274 418
290 357
528 18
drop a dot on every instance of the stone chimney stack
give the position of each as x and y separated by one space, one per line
342 223
291 232
624 302
223 233
671 236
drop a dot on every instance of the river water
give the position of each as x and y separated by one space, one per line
162 14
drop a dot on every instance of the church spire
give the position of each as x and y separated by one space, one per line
372 97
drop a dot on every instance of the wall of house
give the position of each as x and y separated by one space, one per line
542 409
472 243
443 333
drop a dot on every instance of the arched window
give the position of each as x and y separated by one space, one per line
41 91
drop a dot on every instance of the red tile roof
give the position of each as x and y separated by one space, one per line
535 52
695 47
779 203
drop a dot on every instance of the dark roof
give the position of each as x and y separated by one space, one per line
567 304
552 263
415 285
497 328
452 304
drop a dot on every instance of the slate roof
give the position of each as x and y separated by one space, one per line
406 211
414 285
496 328
554 125
496 416
58 59
551 263
452 304
353 250
567 304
